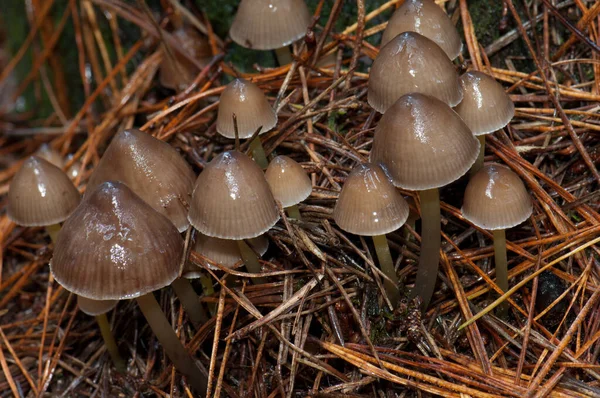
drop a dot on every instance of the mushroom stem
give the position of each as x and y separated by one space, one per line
251 260
479 161
110 343
501 266
53 231
208 289
430 246
170 342
189 299
258 153
387 266
294 212
284 56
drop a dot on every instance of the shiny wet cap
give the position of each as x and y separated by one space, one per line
288 181
225 251
95 307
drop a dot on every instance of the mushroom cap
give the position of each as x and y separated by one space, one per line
50 154
369 204
496 198
152 169
232 199
423 143
95 307
411 63
225 251
427 19
115 246
485 107
251 108
41 194
288 181
269 24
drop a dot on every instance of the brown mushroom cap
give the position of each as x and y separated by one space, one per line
269 24
95 307
251 108
41 194
225 251
496 198
152 169
288 181
115 246
423 143
369 204
232 199
427 19
50 154
411 63
485 107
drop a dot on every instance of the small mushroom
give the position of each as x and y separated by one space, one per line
225 251
369 205
115 247
411 63
289 183
50 154
424 145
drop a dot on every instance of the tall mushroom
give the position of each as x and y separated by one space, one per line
289 183
424 145
115 247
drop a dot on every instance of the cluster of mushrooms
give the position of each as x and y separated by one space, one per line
124 239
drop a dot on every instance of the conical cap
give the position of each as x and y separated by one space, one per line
251 108
115 246
423 143
288 181
411 63
225 251
485 107
50 154
95 307
41 194
427 19
269 24
152 169
496 198
232 199
369 204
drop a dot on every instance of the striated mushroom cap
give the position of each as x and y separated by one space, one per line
95 307
411 63
288 181
41 194
423 143
225 251
50 154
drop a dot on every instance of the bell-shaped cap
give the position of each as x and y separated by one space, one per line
411 63
369 204
95 307
115 246
50 154
41 194
423 143
485 107
152 169
496 198
251 108
289 182
427 19
225 251
269 24
232 199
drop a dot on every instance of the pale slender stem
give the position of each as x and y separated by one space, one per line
258 153
431 241
110 343
284 56
190 301
209 290
410 222
251 261
294 212
170 342
501 267
53 231
479 162
387 266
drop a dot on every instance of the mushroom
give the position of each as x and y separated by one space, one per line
232 200
270 25
485 108
428 19
115 247
289 183
424 145
252 111
50 154
411 63
369 205
41 194
496 199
